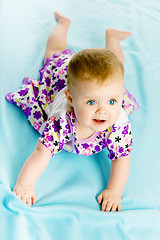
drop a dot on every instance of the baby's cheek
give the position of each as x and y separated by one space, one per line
79 114
116 114
85 115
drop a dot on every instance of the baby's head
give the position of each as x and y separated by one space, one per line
95 85
96 64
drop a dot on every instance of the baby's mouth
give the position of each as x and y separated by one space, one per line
99 121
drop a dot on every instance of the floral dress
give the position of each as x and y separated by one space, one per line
46 107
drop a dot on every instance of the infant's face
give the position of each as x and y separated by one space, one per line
97 107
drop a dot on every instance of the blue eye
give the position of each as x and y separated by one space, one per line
112 102
92 102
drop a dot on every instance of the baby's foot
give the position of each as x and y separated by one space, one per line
119 35
61 18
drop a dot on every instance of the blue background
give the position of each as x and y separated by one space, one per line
66 207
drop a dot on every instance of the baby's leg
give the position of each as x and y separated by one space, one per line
113 38
57 40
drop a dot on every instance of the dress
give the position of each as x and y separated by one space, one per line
44 104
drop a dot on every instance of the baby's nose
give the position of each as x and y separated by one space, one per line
101 110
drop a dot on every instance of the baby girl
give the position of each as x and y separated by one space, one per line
80 105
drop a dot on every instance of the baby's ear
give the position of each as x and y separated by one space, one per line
68 96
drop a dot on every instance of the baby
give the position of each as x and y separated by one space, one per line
80 105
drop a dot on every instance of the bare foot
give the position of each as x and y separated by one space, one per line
61 18
119 35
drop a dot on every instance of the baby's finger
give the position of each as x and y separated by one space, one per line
18 195
104 203
23 198
108 206
28 201
34 199
119 207
99 198
114 207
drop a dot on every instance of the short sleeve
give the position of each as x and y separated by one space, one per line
119 142
51 138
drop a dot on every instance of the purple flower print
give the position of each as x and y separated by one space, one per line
66 130
97 148
111 146
113 128
60 62
48 81
44 91
65 69
85 145
67 51
55 55
57 126
125 131
109 141
61 145
100 135
46 129
124 154
60 84
50 93
91 145
121 149
27 111
26 81
103 143
67 127
33 99
49 146
111 154
37 115
77 151
23 92
61 120
50 138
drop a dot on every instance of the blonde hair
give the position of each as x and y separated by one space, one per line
92 64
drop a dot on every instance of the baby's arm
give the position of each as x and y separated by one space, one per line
32 169
110 198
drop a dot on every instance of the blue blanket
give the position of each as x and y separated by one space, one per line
67 208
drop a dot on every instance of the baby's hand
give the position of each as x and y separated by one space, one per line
110 200
26 193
